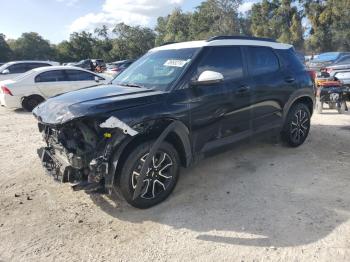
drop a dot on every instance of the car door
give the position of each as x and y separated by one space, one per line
51 83
80 79
269 85
211 104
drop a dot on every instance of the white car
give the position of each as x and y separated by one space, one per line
37 85
11 70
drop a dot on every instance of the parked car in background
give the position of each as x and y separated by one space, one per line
340 70
99 64
35 86
85 64
170 107
13 69
117 67
326 59
91 64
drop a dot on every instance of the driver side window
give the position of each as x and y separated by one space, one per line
226 60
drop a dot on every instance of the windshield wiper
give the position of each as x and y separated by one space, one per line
131 85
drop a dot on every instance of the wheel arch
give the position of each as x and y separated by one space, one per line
178 137
303 97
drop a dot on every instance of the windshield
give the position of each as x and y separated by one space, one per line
327 56
156 69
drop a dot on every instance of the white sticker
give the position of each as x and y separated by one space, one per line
176 63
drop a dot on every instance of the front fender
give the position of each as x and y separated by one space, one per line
156 128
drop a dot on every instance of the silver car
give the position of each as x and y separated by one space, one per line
341 70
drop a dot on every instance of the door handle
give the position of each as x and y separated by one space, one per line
243 89
289 79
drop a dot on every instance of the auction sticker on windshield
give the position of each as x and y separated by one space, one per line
176 63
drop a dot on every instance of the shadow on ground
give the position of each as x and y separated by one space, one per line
257 194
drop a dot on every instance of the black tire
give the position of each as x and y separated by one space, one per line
297 125
319 106
29 103
126 181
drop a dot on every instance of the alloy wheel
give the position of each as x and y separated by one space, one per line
299 126
158 175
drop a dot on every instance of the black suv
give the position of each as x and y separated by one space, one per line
170 107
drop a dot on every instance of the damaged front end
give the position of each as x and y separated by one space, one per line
79 151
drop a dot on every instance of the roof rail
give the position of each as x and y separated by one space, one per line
240 37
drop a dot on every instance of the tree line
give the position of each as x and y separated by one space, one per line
311 26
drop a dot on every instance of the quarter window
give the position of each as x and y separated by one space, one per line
261 60
226 60
51 76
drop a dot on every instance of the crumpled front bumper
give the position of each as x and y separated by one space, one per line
60 168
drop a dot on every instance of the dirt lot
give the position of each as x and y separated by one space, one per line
257 201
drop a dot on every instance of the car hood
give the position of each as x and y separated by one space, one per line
92 101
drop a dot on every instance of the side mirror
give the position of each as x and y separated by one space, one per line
97 79
209 77
5 72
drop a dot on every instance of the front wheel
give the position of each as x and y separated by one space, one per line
161 176
297 125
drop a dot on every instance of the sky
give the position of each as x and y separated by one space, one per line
55 20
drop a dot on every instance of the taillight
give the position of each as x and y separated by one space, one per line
6 91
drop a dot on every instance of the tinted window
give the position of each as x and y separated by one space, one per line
226 60
290 60
18 68
344 60
77 75
51 76
261 60
31 66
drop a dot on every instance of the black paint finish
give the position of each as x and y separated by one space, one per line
213 114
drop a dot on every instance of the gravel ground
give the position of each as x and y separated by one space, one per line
258 201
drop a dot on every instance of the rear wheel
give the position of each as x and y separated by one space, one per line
29 103
297 125
161 176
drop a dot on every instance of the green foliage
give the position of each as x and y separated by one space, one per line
278 19
31 46
131 41
5 50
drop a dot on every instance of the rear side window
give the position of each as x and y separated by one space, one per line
18 68
51 76
261 60
31 66
77 75
290 60
226 60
